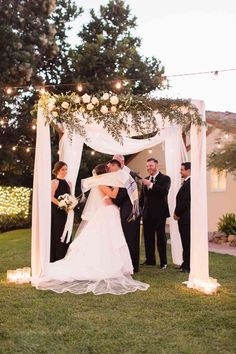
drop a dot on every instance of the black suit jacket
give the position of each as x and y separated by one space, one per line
183 203
153 201
122 200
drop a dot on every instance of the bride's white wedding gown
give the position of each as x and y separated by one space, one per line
98 259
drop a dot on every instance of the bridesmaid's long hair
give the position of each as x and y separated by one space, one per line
58 165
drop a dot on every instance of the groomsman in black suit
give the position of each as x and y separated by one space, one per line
155 210
131 228
182 214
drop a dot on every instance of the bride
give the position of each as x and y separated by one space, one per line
98 259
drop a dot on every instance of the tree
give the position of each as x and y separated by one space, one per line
110 52
224 159
33 50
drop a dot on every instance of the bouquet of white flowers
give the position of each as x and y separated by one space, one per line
67 202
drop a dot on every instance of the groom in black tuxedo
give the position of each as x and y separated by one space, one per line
182 214
155 210
130 228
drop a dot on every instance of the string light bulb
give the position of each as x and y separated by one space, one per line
9 90
0 146
33 126
92 152
79 88
27 149
150 151
219 145
226 136
2 122
14 148
118 85
164 81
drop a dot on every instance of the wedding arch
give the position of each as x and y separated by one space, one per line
81 128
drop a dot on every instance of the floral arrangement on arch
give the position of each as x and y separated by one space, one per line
118 114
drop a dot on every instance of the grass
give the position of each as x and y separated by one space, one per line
168 318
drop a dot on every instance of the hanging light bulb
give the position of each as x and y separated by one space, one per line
164 81
79 88
2 122
14 148
42 90
92 152
118 85
27 149
33 126
58 152
9 90
150 151
0 146
219 145
226 136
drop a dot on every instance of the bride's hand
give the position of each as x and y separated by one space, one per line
107 201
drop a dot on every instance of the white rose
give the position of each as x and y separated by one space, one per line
113 109
105 96
86 98
95 100
114 100
104 110
82 109
65 105
77 99
54 113
90 106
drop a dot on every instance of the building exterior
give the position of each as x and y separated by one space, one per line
221 187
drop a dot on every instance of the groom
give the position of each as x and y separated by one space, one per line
131 228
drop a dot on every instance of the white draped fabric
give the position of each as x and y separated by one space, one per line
199 276
99 140
175 154
41 206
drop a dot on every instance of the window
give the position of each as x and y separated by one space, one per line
218 180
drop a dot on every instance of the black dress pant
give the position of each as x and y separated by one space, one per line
154 232
184 230
132 235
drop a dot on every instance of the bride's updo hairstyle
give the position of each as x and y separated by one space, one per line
58 165
100 169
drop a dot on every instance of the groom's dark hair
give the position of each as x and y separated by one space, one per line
115 162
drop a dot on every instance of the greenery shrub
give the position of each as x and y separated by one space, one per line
12 222
227 224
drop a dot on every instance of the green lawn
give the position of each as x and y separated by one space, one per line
168 318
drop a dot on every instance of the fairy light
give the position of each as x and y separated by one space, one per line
226 136
150 151
58 152
93 153
0 146
28 149
15 201
34 127
79 88
9 90
164 81
219 145
118 85
14 148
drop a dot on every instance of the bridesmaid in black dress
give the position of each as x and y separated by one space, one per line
58 216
